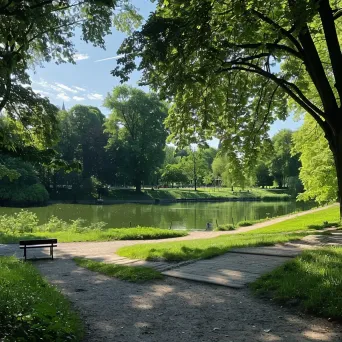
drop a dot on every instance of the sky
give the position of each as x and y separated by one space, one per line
89 80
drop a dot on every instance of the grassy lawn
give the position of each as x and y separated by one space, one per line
264 194
31 309
139 233
202 248
208 248
130 273
309 221
312 281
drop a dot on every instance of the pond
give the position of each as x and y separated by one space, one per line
192 216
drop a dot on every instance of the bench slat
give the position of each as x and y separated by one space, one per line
37 242
40 246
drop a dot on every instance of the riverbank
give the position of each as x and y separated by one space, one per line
149 196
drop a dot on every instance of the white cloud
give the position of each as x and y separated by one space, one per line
78 98
80 56
79 88
95 96
63 96
42 92
109 58
64 87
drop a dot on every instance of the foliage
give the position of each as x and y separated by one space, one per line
225 227
262 175
136 127
318 172
24 188
31 309
232 68
133 274
25 224
283 165
173 173
312 280
202 248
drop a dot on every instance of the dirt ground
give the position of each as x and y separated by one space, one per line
178 310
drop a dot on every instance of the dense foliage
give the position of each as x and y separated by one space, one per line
231 68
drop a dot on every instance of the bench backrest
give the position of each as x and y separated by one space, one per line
38 242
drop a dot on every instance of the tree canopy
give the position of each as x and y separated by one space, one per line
136 126
35 31
231 68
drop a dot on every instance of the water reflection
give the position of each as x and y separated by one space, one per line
175 215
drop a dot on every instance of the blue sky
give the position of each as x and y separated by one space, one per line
89 80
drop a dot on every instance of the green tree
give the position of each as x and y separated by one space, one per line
282 164
173 173
231 68
317 173
136 126
35 31
262 175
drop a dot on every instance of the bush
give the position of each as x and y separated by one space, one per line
22 222
225 227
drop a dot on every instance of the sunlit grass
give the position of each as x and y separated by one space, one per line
123 272
313 281
288 230
202 248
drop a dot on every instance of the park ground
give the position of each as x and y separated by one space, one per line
169 309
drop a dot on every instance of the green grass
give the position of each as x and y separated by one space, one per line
202 248
31 309
263 194
313 281
309 221
224 227
139 233
129 273
288 230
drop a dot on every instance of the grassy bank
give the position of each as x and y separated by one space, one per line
312 281
133 274
289 230
31 309
202 248
171 194
138 233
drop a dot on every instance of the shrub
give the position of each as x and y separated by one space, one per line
225 227
22 222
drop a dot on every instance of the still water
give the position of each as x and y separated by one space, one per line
193 216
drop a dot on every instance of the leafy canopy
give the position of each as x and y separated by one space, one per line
232 67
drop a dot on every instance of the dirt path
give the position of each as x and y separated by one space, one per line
176 310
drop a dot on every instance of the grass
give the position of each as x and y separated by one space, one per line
202 248
129 273
139 233
316 220
313 281
281 232
201 193
31 309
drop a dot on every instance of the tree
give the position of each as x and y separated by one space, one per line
35 31
318 172
262 175
174 174
136 126
282 164
231 68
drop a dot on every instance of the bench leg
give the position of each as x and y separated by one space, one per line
25 252
51 252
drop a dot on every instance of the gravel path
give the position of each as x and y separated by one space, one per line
176 310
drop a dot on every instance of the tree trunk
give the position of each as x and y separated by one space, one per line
336 148
138 186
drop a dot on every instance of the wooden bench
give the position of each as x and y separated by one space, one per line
42 243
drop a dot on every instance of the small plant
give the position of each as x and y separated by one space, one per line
225 227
